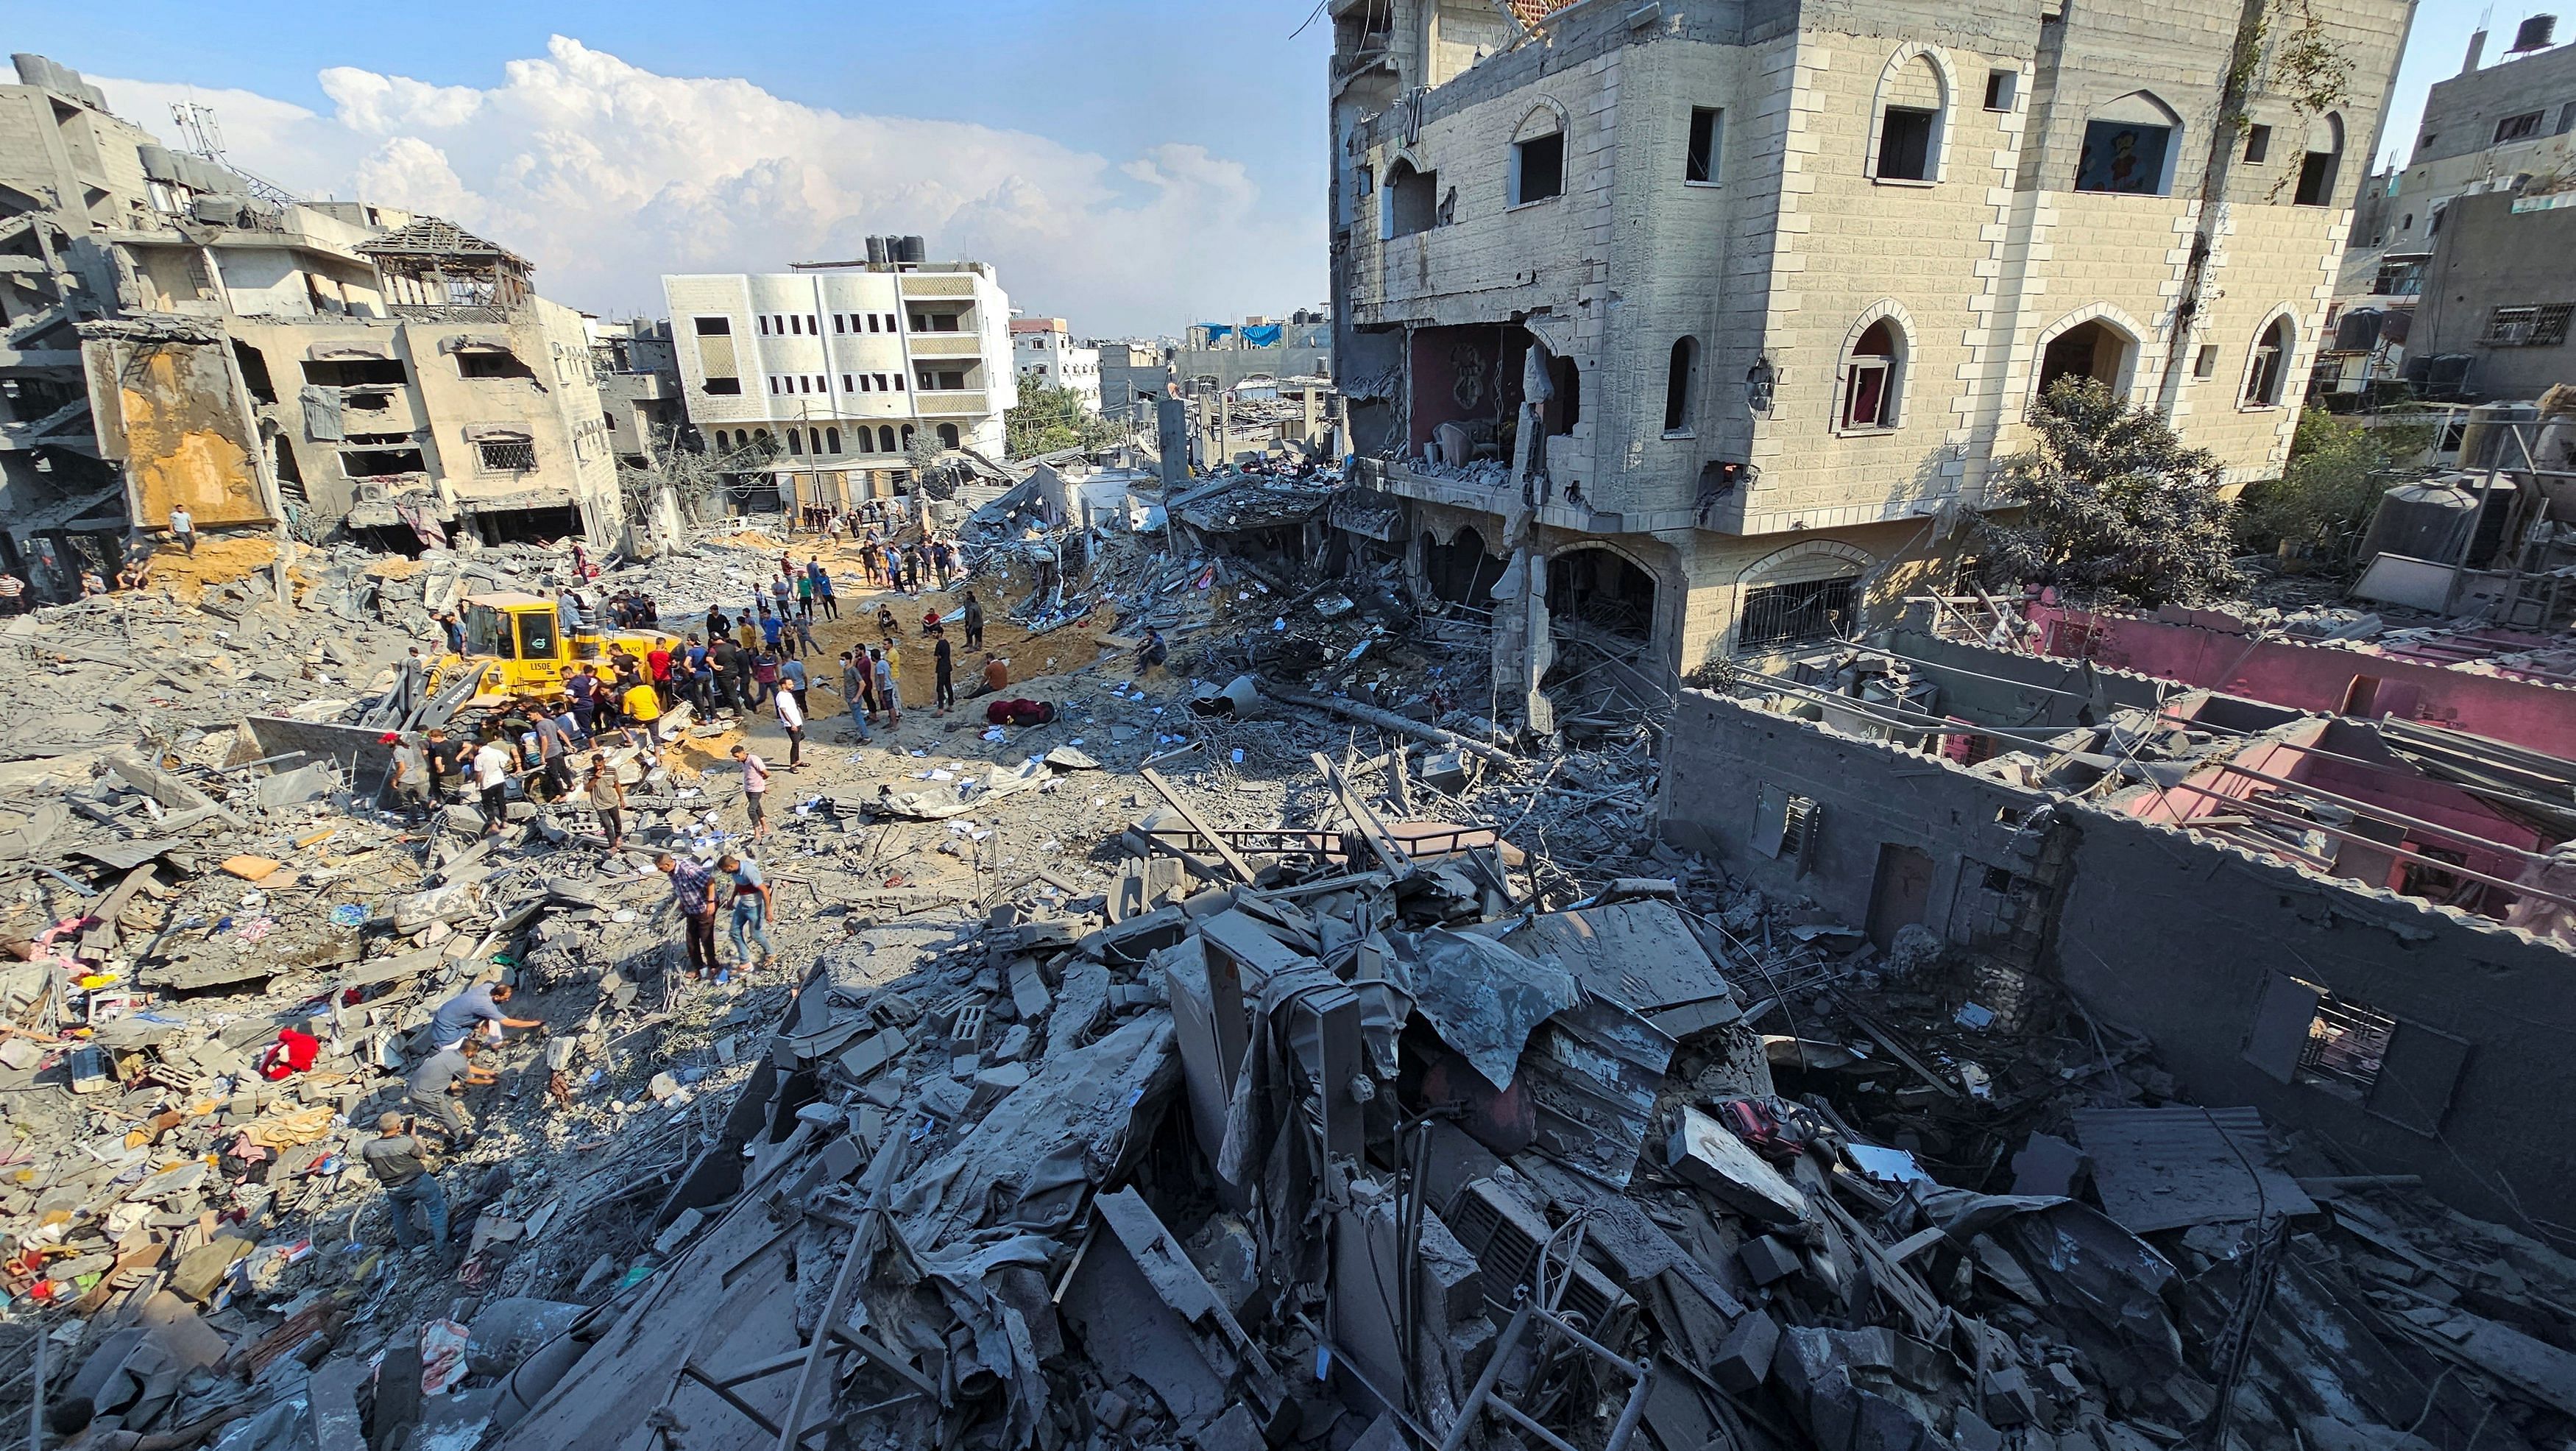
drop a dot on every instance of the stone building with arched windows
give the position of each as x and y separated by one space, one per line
1743 303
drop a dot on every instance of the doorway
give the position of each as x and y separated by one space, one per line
1901 895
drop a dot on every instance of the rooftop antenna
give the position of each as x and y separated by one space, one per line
202 135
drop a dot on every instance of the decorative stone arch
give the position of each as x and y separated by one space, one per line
1901 323
1810 561
1660 580
2103 125
2277 392
1545 115
1888 92
2130 374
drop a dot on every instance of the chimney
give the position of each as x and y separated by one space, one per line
2477 50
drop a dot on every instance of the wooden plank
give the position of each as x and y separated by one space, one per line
1389 853
1234 861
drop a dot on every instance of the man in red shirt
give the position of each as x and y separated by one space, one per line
658 661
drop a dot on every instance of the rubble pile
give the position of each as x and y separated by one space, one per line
1265 1051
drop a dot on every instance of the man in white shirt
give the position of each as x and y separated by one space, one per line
492 775
183 527
791 718
755 790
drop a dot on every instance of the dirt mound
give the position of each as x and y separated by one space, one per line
216 562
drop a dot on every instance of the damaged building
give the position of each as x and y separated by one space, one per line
1687 317
2334 885
192 335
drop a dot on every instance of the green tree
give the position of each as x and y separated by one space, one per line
2337 471
1050 419
2111 500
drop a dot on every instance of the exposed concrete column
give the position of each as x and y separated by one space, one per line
1523 646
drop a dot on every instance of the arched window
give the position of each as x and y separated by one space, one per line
948 435
763 436
2129 147
1412 201
907 438
1681 379
1538 158
2318 167
885 440
1913 111
834 435
795 443
2269 365
1873 377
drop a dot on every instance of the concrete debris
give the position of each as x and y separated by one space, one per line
1237 1046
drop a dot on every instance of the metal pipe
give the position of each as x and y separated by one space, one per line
2400 853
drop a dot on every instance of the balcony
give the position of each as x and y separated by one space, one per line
936 403
947 345
936 284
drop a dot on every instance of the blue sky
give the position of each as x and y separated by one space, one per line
1133 165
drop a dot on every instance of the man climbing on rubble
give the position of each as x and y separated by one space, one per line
183 529
693 892
755 789
455 1018
401 1164
556 728
433 1087
752 904
606 796
642 705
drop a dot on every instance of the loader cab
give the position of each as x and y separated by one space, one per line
512 627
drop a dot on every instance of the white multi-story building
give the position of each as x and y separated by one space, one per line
1043 351
845 369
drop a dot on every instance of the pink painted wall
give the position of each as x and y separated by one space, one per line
2312 677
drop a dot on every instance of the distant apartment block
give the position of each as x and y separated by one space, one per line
844 369
1043 352
2483 205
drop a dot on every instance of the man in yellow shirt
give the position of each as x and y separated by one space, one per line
642 706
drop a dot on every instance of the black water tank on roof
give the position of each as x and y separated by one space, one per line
2534 34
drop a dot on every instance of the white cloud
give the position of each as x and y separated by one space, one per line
607 176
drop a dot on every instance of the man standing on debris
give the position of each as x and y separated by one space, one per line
755 789
751 908
792 678
446 765
657 664
13 594
791 719
642 705
491 777
432 1094
854 693
607 796
942 664
408 785
455 1018
823 589
974 622
183 528
888 700
693 892
554 744
400 1163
